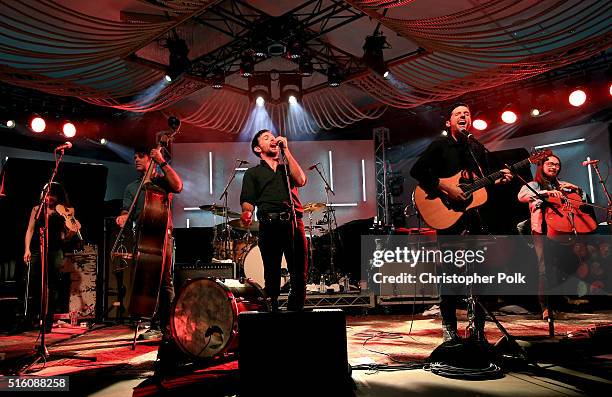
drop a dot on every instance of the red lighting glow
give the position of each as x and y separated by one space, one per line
38 124
509 117
577 98
69 130
480 124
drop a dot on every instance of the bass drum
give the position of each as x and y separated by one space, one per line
254 268
205 314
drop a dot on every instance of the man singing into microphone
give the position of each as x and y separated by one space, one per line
446 156
265 186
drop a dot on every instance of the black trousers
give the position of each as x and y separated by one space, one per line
275 239
58 285
166 292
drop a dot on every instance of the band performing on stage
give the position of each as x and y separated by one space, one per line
306 197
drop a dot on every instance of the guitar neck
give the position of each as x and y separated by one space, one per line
490 179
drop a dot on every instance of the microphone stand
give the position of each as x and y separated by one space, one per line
294 222
330 210
607 193
41 351
226 227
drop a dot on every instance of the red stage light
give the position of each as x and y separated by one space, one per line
69 130
610 89
37 124
577 98
509 117
480 124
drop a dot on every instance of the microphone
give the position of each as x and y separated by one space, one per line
312 167
67 145
465 133
242 161
589 162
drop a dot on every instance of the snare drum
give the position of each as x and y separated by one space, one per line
205 314
254 268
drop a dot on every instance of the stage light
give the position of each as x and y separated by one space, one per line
11 123
306 68
68 129
535 112
218 79
610 89
386 74
334 76
178 62
373 53
292 100
103 141
38 124
295 49
509 117
247 66
577 98
444 133
260 101
480 124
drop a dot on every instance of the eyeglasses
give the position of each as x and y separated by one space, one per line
549 164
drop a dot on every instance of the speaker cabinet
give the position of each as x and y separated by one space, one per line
184 272
293 353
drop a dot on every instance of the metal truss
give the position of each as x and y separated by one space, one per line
333 300
381 140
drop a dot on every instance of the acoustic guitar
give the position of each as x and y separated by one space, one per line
440 212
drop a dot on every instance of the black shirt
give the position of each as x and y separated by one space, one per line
445 157
267 189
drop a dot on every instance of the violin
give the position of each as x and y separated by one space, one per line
566 215
70 221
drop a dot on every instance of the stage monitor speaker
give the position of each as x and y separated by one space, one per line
184 272
293 353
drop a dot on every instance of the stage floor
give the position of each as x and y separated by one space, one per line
579 365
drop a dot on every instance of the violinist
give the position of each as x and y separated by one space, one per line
59 235
170 182
547 183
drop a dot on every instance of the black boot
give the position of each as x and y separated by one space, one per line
449 333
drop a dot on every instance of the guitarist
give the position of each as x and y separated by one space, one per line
170 182
444 157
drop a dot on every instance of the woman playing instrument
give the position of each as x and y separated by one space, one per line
59 234
547 183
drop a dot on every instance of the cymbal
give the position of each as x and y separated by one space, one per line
314 207
236 225
219 209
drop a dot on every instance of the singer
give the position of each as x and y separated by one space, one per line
281 228
448 155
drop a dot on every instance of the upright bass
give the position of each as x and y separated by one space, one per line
568 216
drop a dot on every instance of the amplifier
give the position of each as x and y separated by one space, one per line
186 271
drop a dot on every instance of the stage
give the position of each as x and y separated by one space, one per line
387 353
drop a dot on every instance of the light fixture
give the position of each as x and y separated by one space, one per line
541 104
509 117
386 74
247 66
610 89
178 62
295 49
292 100
577 97
334 76
480 124
218 79
444 133
260 101
68 129
535 112
10 123
37 124
306 67
373 53
103 141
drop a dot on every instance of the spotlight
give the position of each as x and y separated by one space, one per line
103 141
334 76
306 68
218 79
610 89
295 49
292 100
37 124
247 66
260 101
373 53
480 124
178 62
68 129
444 133
386 74
535 112
509 117
541 105
11 123
260 49
577 97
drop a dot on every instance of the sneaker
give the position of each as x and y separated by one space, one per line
150 334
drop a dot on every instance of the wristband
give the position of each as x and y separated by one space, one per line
162 165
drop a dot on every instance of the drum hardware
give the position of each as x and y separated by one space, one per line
314 207
219 210
235 223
